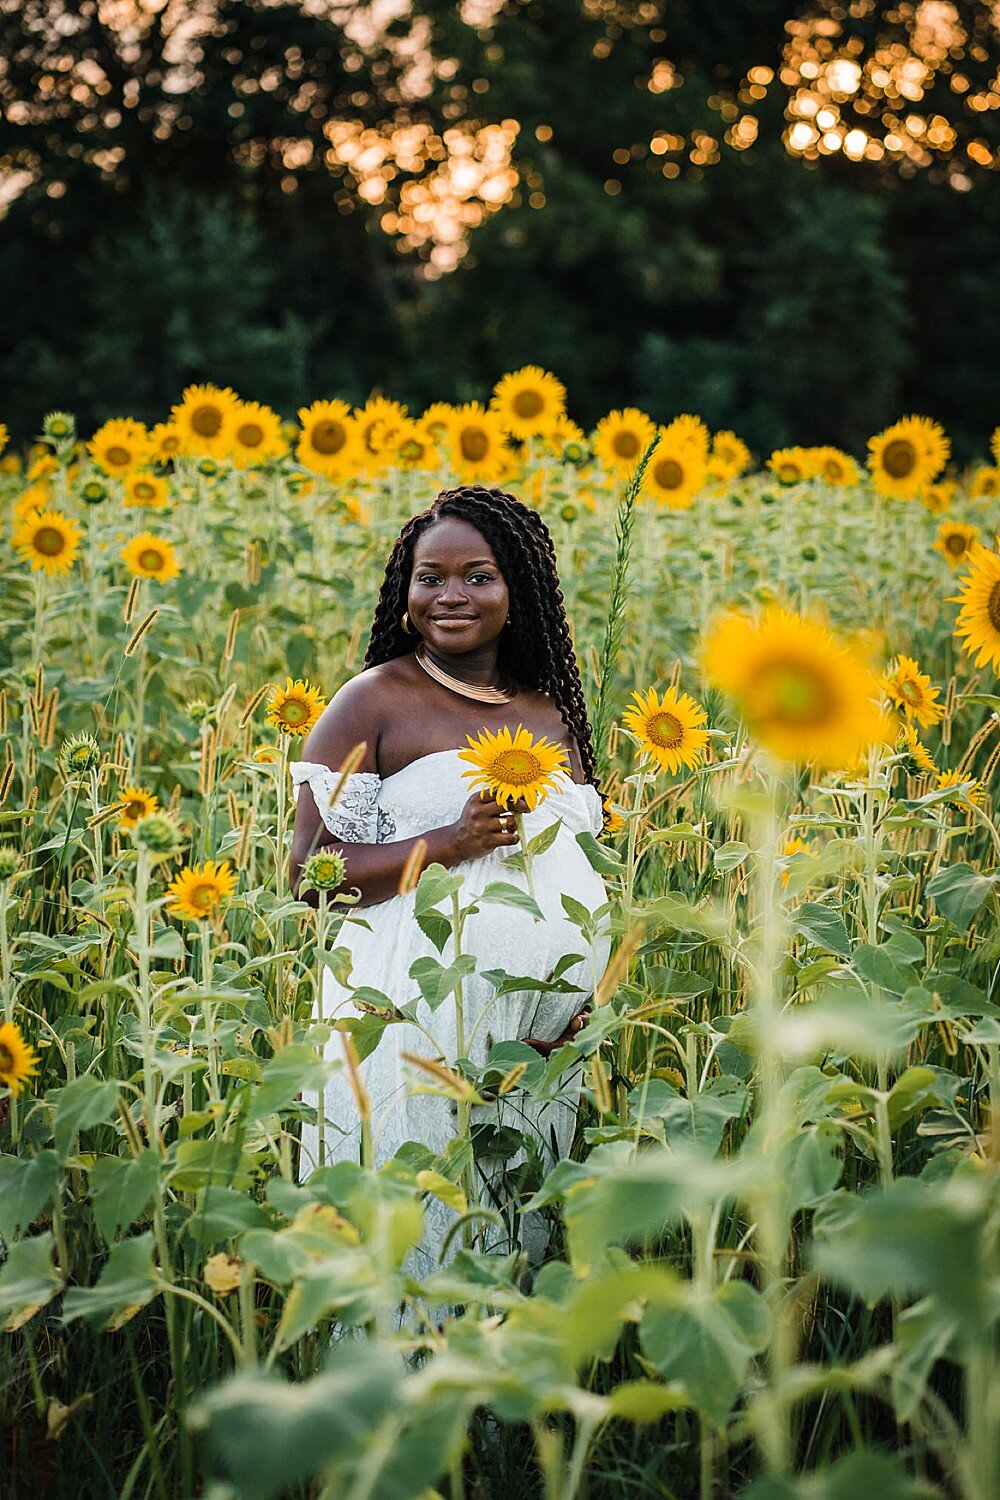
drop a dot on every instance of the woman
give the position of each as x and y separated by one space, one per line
469 634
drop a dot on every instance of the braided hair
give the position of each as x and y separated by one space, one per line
537 648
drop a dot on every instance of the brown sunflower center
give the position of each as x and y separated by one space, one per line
170 443
669 474
833 470
528 404
474 444
49 541
202 896
625 444
899 458
6 1059
910 692
144 490
955 544
516 767
993 606
328 436
294 711
250 435
789 473
206 421
135 808
665 730
118 457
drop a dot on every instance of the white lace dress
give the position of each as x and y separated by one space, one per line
429 793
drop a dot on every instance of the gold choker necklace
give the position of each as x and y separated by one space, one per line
480 694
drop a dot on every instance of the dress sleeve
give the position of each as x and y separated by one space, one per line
596 808
355 817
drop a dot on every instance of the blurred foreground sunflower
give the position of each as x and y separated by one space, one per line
803 694
668 728
514 765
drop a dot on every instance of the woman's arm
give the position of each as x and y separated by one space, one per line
353 716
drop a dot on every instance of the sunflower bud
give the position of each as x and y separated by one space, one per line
323 871
79 754
198 710
222 1273
158 833
94 492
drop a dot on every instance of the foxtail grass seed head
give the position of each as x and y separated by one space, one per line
139 634
10 861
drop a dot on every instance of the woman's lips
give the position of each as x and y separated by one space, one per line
450 622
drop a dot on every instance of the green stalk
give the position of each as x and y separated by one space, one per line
464 1107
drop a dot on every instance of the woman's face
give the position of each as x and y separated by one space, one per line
458 599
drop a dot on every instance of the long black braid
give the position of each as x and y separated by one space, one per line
537 648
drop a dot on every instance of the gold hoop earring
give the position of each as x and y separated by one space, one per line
405 624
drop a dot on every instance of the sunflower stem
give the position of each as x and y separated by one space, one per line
526 855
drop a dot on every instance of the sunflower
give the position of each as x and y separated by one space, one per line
614 822
995 445
836 467
985 484
135 803
910 691
729 456
48 540
917 758
328 443
149 556
907 457
120 445
805 696
937 498
4 436
955 540
676 472
415 448
529 402
514 765
972 788
979 617
437 419
199 890
205 419
791 465
266 755
620 438
689 432
146 488
18 1059
165 440
294 708
256 435
377 422
668 729
478 443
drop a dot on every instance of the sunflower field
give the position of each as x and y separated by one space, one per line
772 1265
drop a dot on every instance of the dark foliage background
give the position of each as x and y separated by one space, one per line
165 239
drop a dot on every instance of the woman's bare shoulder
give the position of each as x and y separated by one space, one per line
356 712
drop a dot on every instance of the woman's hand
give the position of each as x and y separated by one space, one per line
484 826
547 1048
